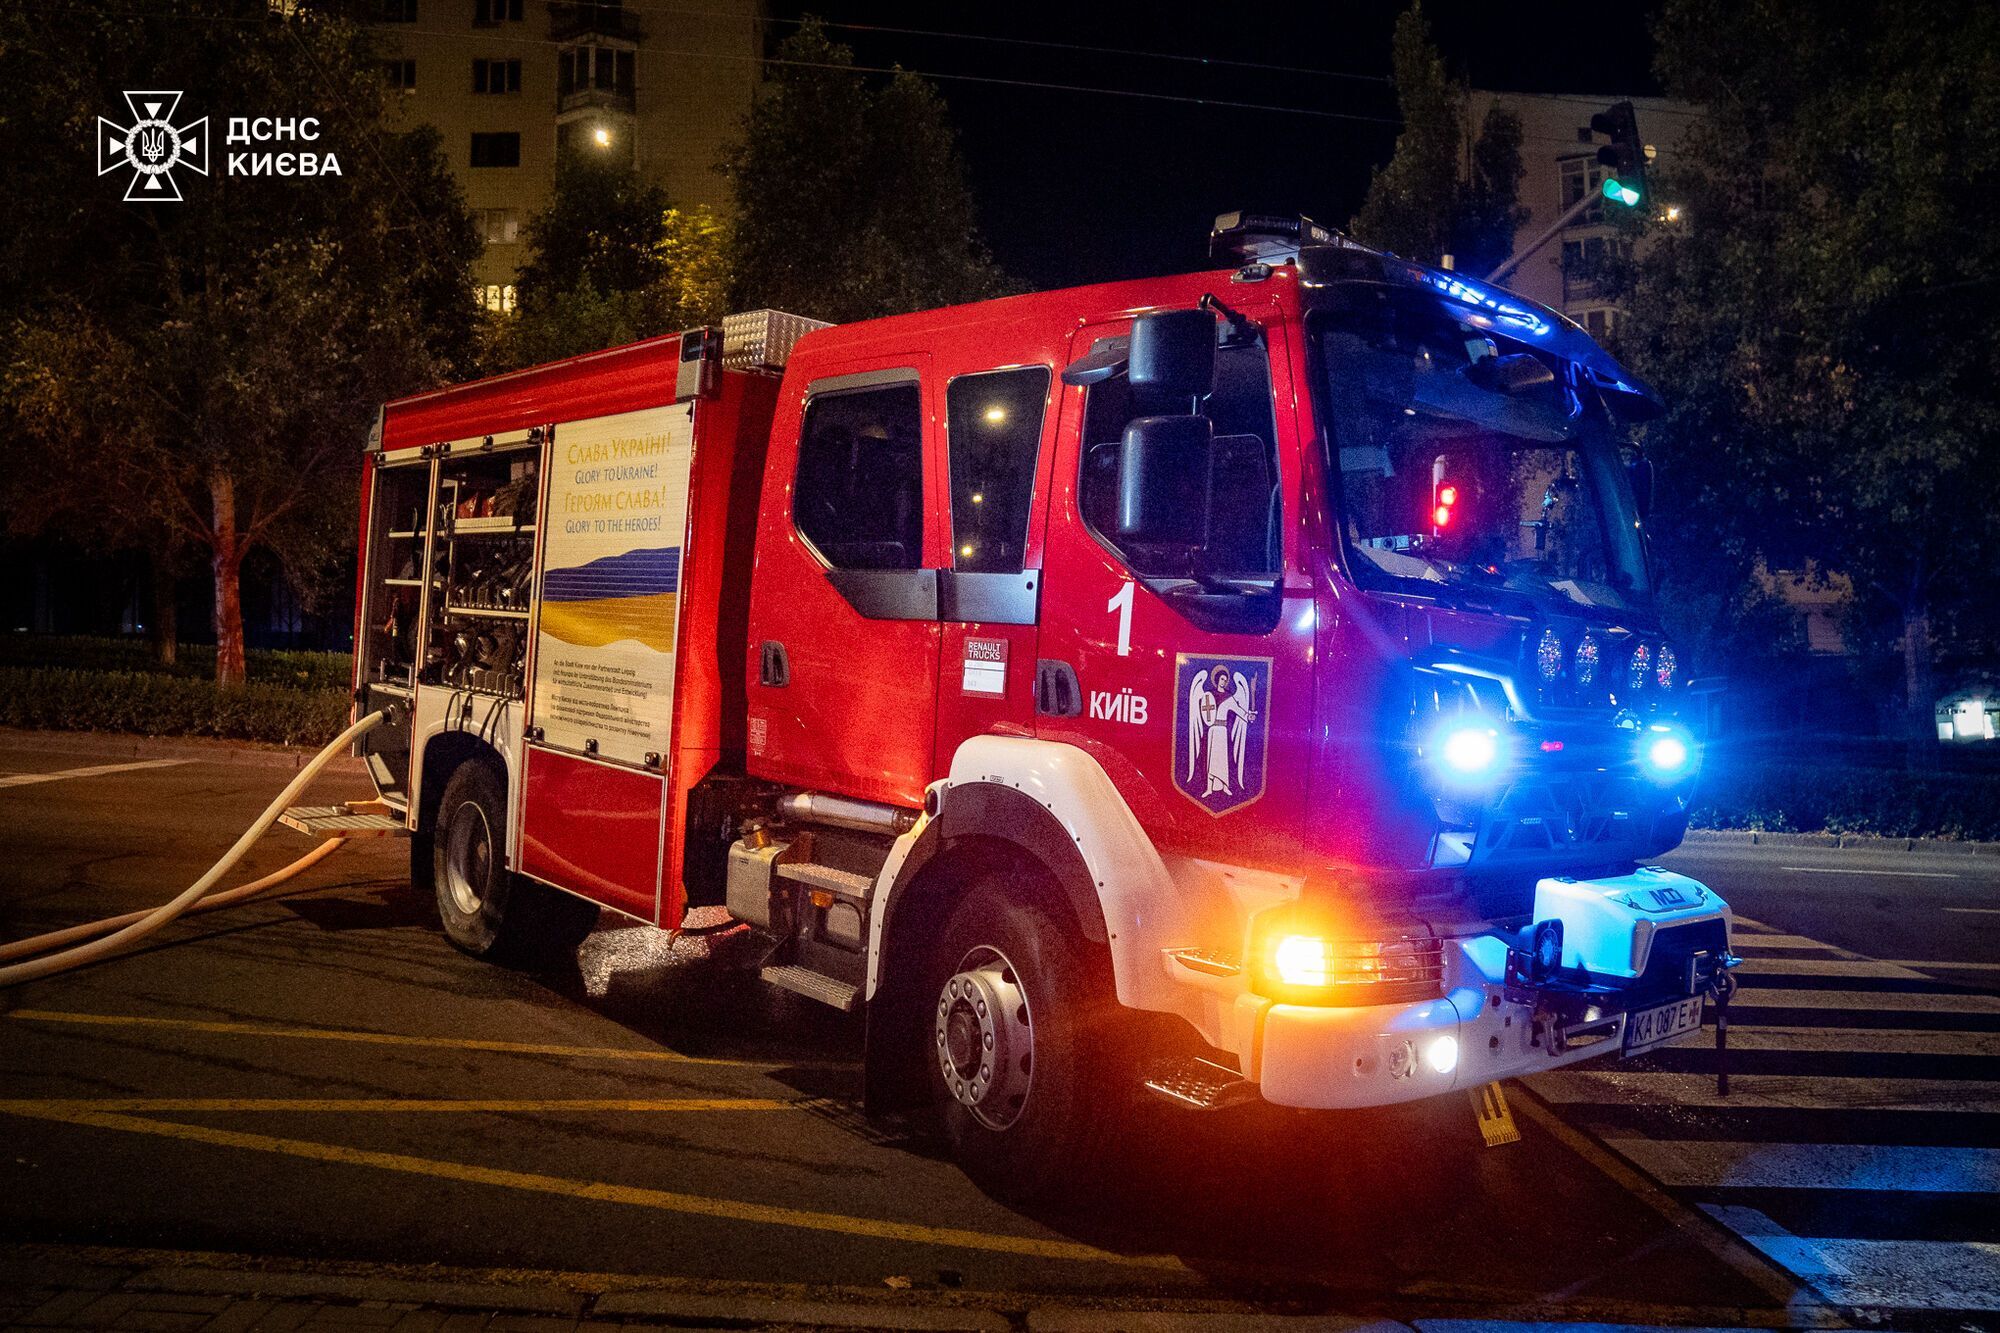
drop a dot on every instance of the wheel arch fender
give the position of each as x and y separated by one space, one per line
441 750
1053 805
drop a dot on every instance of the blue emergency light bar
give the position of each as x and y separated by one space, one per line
1325 255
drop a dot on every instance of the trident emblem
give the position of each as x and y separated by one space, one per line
152 146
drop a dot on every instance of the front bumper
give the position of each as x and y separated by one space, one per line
1486 1026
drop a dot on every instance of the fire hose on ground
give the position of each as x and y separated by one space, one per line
197 897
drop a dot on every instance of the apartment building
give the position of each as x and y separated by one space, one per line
1559 157
515 84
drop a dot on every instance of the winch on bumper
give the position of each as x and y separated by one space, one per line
1625 963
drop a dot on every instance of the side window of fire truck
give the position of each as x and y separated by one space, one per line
860 493
1245 527
993 426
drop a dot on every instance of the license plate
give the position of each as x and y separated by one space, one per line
1650 1027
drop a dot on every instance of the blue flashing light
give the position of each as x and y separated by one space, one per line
1667 752
1514 318
1469 753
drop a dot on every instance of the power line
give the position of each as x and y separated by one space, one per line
489 38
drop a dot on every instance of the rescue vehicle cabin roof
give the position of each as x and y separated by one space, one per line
1036 327
640 375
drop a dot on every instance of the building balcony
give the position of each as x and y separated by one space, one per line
596 99
569 19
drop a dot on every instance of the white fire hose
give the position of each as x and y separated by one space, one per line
134 926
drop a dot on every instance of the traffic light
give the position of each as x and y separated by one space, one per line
1447 498
1624 158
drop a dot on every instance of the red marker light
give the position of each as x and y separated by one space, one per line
1551 747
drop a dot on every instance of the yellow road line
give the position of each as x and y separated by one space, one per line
30 1105
395 1039
731 1210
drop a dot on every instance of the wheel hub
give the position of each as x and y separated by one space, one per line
986 1038
468 857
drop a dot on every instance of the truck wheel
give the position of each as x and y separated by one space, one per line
1028 1062
488 911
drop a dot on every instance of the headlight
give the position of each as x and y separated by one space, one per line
1667 752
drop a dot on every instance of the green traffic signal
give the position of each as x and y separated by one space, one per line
1618 192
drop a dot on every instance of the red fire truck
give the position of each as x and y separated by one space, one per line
1239 684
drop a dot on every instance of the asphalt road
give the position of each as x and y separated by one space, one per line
322 1077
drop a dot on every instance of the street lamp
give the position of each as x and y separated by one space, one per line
603 137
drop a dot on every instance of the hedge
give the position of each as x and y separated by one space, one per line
300 670
1805 798
158 704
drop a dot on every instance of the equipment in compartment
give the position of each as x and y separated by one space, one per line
483 572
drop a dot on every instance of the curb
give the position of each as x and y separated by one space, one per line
1854 842
386 1290
127 745
1062 1319
78 1286
703 1311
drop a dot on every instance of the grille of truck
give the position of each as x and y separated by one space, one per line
1553 812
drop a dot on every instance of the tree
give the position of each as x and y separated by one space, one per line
1814 319
1436 197
851 199
204 372
610 262
602 227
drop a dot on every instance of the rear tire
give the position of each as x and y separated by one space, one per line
486 909
1025 1052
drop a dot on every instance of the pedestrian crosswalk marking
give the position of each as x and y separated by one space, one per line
1782 997
1825 967
1920 1274
1745 1036
1726 1164
1797 1091
1899 1169
1787 942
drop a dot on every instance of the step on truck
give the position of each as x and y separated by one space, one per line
1243 684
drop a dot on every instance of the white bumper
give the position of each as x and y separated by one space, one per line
1481 1029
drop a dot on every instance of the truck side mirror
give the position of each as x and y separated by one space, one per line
1173 352
1639 471
1163 469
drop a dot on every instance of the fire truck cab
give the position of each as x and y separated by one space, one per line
1239 684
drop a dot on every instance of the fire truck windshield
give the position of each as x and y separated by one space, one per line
1467 464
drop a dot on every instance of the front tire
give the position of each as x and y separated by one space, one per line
1028 1060
486 909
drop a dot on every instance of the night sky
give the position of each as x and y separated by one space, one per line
1079 187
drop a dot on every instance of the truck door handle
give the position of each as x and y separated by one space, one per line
1057 691
773 667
